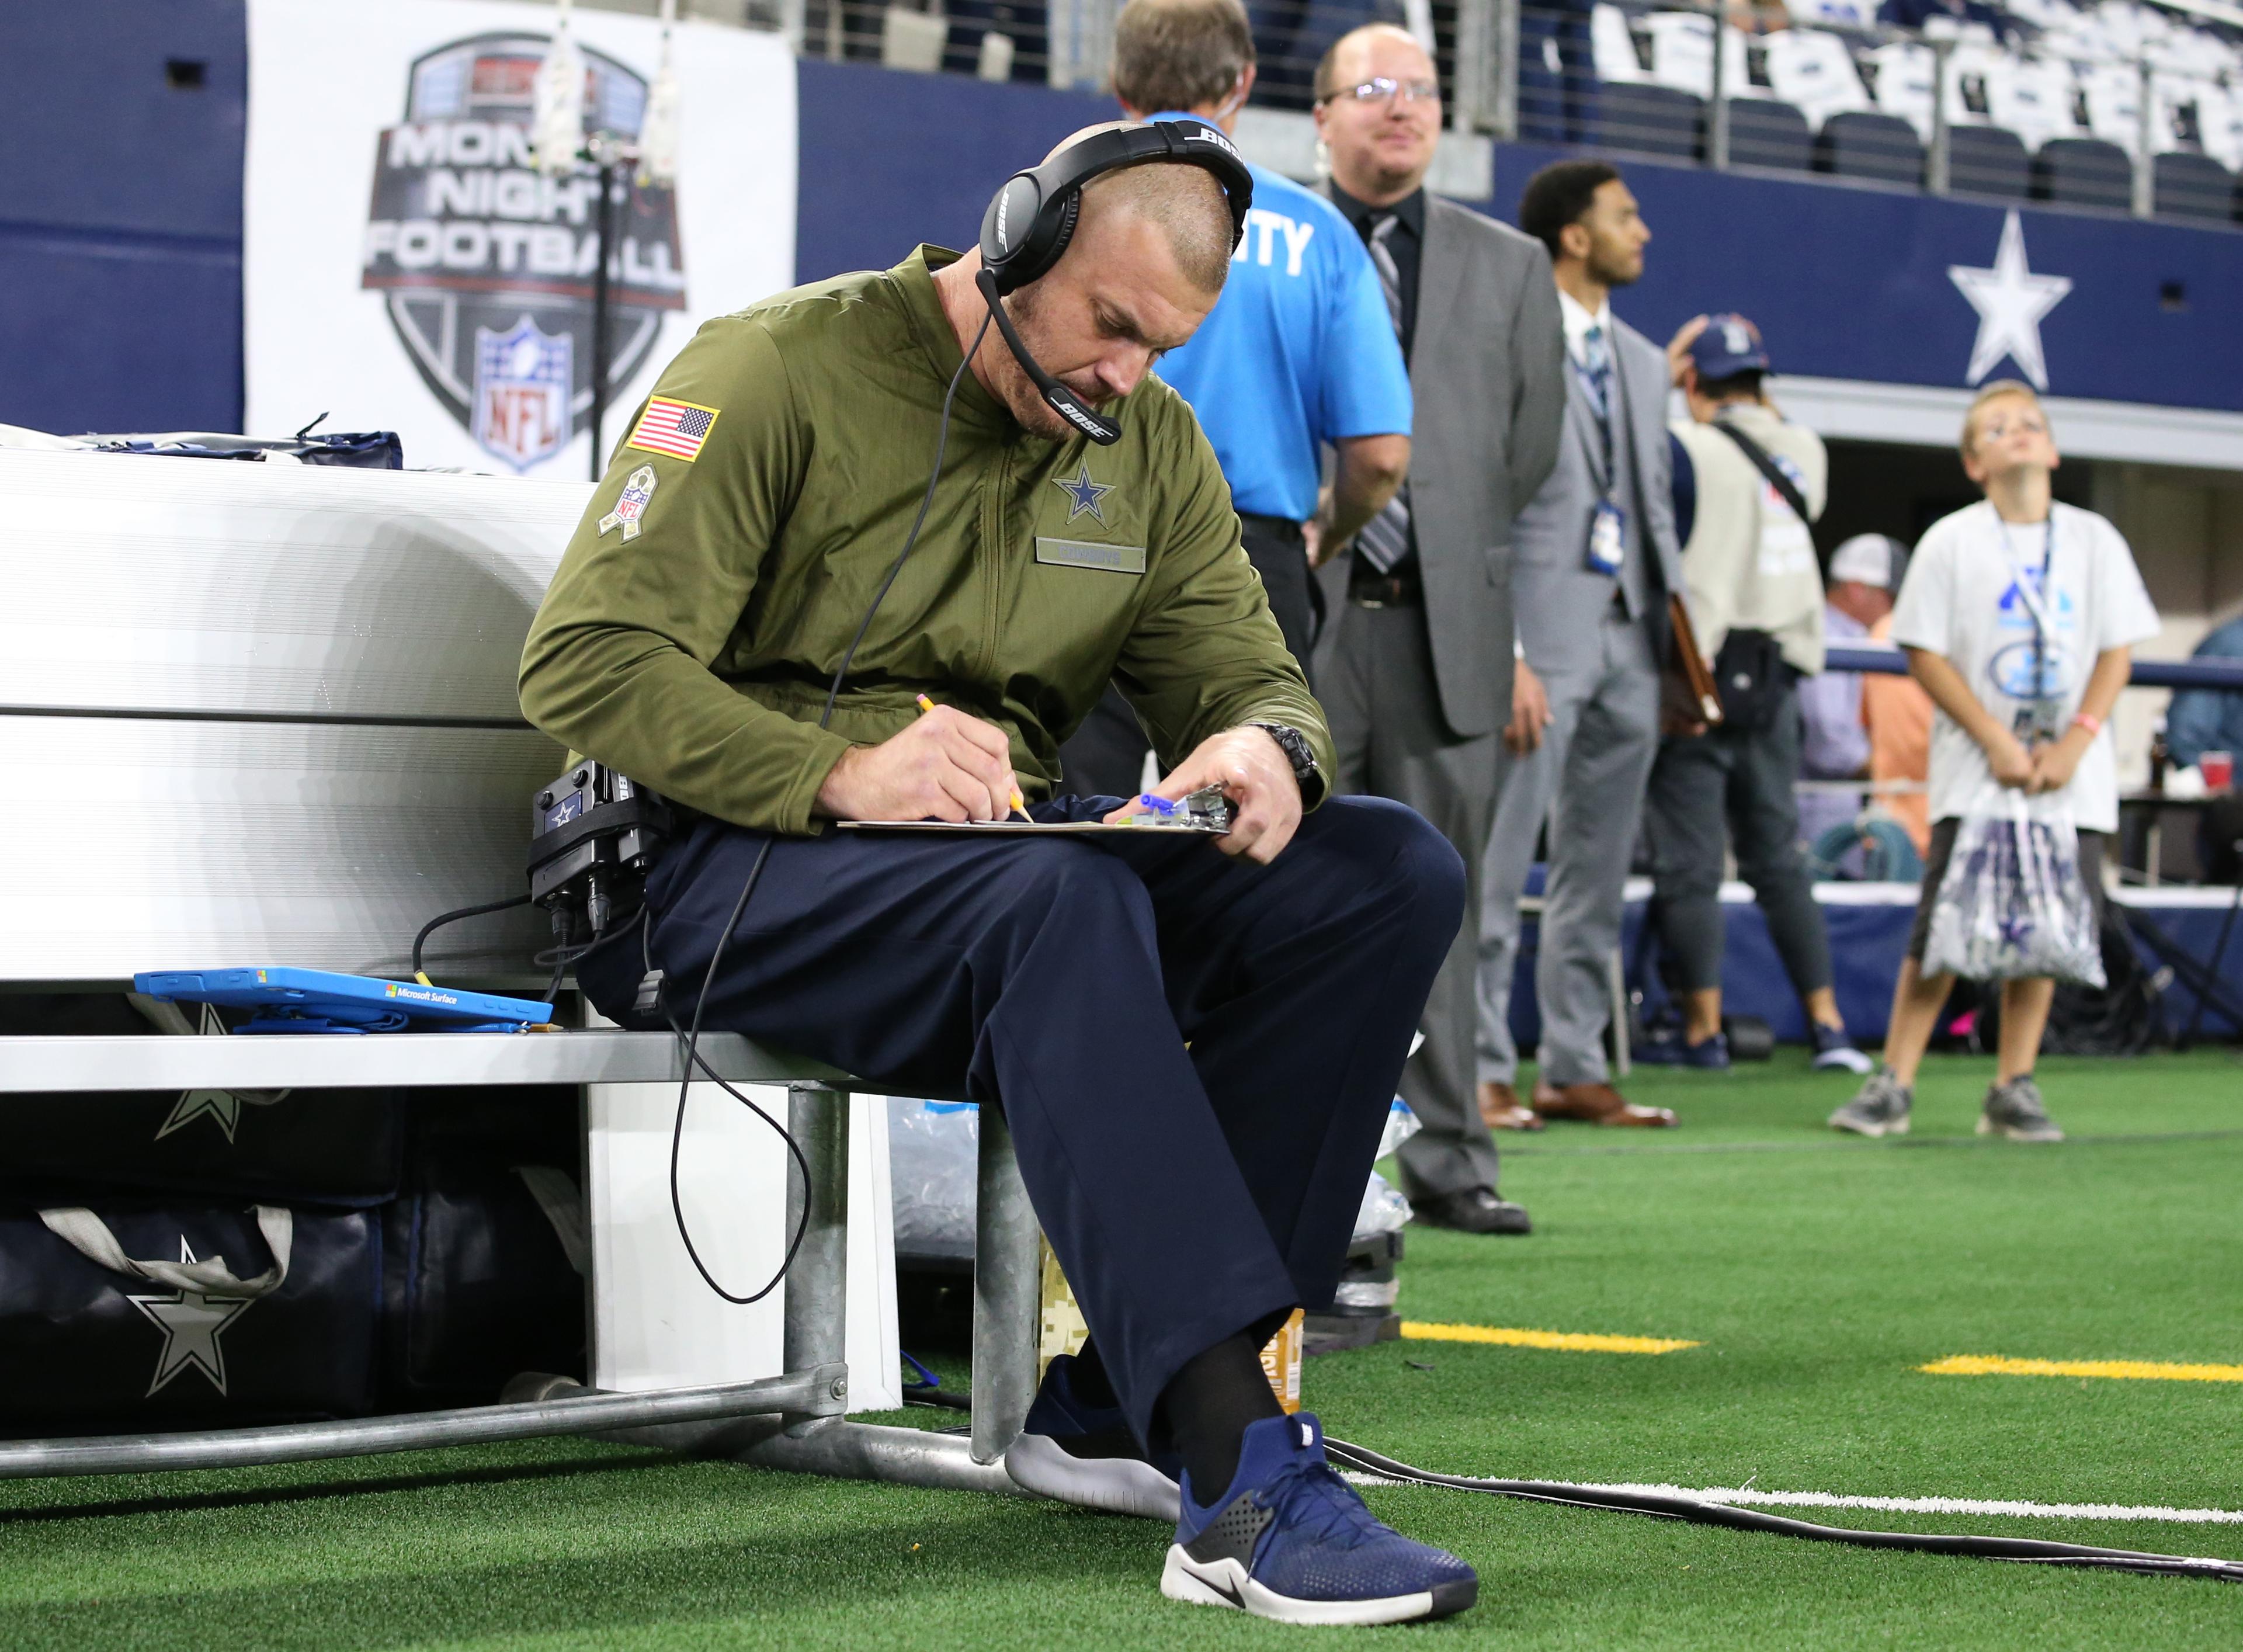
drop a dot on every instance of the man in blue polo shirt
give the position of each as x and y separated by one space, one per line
1298 353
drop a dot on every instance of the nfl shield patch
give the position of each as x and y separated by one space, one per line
630 513
523 384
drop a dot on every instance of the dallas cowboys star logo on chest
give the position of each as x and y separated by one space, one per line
1083 494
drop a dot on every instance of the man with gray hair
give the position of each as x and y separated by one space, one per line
1297 354
1416 673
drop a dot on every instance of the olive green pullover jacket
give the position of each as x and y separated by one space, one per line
696 620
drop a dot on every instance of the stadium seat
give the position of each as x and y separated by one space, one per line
1987 160
2111 94
1763 132
1613 47
1813 71
2083 172
1651 120
1899 74
2030 97
1862 145
2192 185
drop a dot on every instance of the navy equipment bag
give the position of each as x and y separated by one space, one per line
145 1316
484 1257
329 1147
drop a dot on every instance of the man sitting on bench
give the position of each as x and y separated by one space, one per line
1195 1051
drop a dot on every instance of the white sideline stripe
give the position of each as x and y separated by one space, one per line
1746 1495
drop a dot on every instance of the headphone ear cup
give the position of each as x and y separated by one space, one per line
1054 230
1008 230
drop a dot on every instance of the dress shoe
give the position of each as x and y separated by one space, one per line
1499 1109
1598 1104
1472 1210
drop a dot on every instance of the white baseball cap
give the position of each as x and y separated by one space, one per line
1869 559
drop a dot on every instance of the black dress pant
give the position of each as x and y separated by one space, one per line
1105 756
1190 1193
1732 786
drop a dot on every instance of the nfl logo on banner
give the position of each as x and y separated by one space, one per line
522 382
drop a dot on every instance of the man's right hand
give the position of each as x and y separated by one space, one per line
945 766
2011 763
1530 710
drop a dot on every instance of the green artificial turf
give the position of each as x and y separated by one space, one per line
1818 1273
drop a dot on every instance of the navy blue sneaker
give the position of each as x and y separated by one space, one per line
1670 1049
1291 1539
1834 1051
1085 1454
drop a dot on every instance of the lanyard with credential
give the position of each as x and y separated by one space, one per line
1608 546
1604 424
2034 599
2033 719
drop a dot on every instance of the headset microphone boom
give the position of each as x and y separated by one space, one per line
1033 218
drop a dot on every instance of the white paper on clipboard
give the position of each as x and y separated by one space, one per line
1020 828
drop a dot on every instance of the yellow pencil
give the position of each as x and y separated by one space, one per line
1020 804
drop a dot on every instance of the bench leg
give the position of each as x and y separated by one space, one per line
1007 1279
817 1287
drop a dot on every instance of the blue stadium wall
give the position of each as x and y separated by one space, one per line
1847 282
120 232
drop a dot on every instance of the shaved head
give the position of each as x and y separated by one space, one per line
1182 201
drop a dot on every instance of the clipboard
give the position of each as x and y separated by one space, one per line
1023 828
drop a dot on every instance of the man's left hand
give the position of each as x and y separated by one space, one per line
1255 775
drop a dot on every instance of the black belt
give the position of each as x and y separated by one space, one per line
1367 588
1280 527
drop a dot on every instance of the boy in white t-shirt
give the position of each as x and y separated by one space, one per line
2017 615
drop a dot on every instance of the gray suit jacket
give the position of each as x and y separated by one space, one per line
1487 373
1560 604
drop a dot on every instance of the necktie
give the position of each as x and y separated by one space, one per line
1385 540
1596 371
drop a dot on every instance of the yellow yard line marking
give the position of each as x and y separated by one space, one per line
1980 1364
1570 1341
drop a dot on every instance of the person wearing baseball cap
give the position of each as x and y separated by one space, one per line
1864 574
1755 595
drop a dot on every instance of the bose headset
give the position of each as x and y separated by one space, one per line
1033 219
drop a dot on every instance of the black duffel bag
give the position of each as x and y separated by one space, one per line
485 1254
342 1147
133 1316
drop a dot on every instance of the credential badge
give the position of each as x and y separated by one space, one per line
630 513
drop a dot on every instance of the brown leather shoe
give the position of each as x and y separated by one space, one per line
1598 1104
1499 1109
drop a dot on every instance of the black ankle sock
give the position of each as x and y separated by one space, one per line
1206 1407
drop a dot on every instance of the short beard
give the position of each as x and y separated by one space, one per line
1011 381
1612 278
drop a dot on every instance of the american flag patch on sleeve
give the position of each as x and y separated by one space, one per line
677 429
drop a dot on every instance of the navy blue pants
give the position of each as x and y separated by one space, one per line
1189 1193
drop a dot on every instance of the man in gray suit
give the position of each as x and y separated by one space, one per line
1592 560
1415 669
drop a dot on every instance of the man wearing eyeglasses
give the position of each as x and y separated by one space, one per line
1415 669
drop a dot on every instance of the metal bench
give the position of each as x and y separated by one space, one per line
272 711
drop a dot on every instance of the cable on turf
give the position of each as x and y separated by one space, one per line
2029 1550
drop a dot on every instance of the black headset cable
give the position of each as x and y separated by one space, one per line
692 1039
